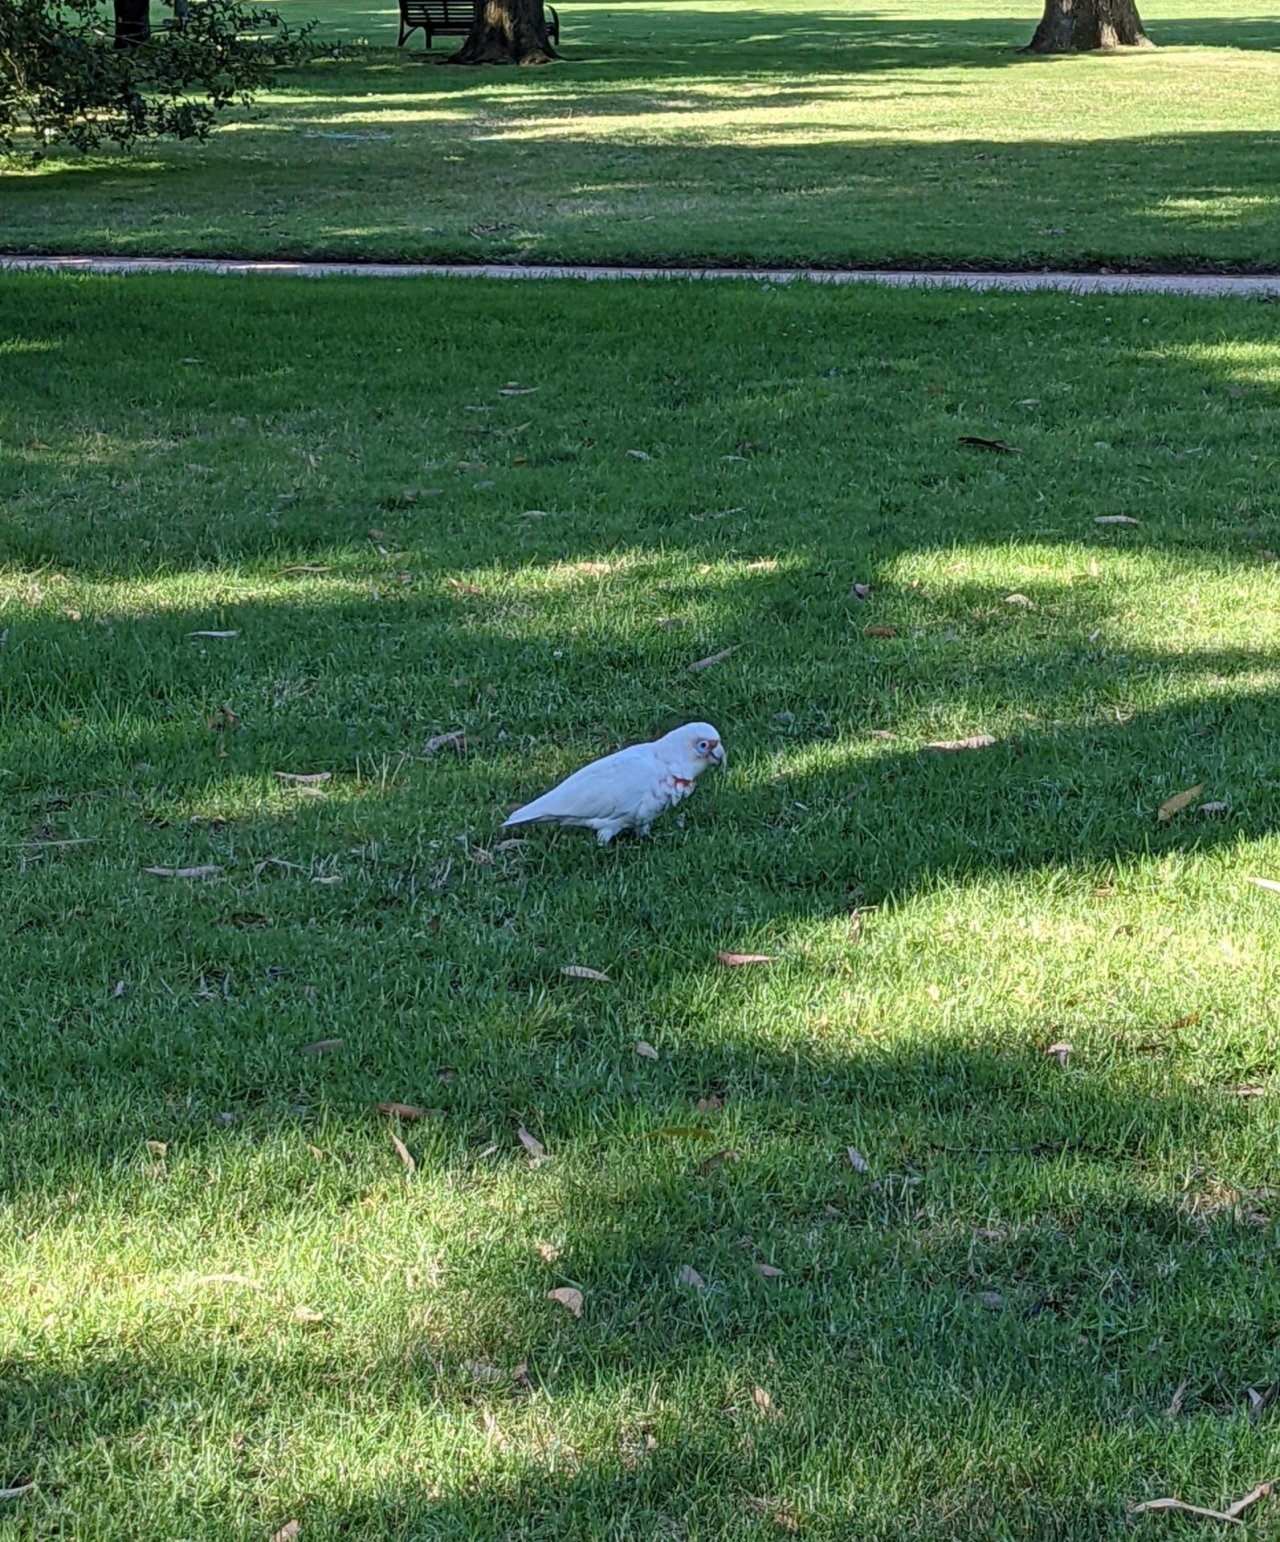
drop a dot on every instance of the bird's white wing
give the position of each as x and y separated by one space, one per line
607 789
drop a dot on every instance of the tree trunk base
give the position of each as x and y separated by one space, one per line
507 32
1085 26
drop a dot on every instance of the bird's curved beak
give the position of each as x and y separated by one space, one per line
718 755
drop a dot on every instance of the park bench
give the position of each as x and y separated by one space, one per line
451 18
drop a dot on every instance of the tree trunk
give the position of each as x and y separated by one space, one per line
133 22
507 32
1076 26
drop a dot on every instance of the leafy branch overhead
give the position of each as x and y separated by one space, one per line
66 79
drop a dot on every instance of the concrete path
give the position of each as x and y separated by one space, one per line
1209 285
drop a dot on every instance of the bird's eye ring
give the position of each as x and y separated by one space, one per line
701 746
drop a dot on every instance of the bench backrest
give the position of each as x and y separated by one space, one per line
453 13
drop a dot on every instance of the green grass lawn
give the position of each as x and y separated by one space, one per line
228 1305
911 133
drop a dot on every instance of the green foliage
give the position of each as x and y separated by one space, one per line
63 79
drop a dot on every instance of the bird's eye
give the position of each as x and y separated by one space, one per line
701 746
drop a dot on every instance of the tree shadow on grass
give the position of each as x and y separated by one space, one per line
1002 1308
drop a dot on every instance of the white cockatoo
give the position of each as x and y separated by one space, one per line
629 789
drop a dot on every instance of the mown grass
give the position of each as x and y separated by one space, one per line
228 1305
681 133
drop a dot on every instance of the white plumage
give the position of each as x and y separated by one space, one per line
629 789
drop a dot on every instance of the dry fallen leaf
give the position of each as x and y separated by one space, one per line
402 1151
219 635
517 390
1115 519
1265 883
1175 1403
287 1532
689 1276
157 1147
305 778
531 1144
956 746
307 1314
715 658
460 587
581 972
768 1272
1178 802
568 1297
208 870
709 1105
548 1252
454 741
1062 1049
997 446
737 960
639 455
1186 1509
408 1111
879 631
1018 599
856 1160
322 1047
17 1490
764 1403
646 1050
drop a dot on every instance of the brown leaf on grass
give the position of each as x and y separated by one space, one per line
548 1252
322 1047
1019 599
408 1111
402 1151
17 1490
1061 1050
715 658
459 586
531 1144
207 870
879 631
957 746
568 1297
689 1276
157 1147
740 960
1115 519
224 717
996 446
581 972
304 778
1178 802
646 1050
718 1160
764 1403
1265 883
1175 1402
457 741
287 1532
307 1314
856 1160
639 455
1249 1090
220 636
302 568
768 1272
